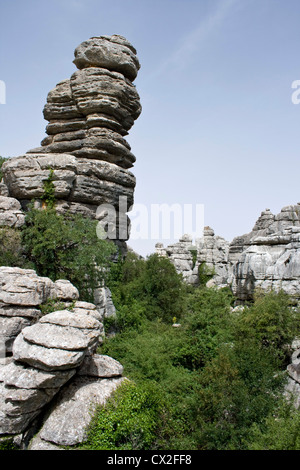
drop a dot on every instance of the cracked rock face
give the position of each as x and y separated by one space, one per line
89 115
45 356
22 291
269 256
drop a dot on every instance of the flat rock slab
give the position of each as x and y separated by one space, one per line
100 366
71 319
45 358
67 423
55 336
20 376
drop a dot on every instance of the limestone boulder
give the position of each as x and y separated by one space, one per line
110 52
11 214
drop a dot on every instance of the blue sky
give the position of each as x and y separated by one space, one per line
218 125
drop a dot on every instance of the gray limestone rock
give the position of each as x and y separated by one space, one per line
268 258
45 358
11 214
100 366
72 411
112 53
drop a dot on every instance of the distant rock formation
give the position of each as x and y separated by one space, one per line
89 115
209 251
268 257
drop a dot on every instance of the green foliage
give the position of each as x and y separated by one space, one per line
205 273
207 325
193 252
146 289
271 321
221 373
280 431
66 247
11 253
53 305
236 389
2 160
7 443
128 421
49 190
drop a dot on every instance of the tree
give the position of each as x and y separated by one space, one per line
66 247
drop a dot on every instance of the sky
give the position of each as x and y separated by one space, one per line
220 118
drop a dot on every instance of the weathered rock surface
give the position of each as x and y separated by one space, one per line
45 357
72 411
269 256
11 214
89 115
180 254
22 291
213 251
187 256
110 52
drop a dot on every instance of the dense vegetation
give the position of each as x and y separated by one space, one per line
59 247
216 380
201 375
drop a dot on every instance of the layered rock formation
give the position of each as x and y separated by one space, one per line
22 292
267 258
181 255
89 115
209 251
41 356
11 214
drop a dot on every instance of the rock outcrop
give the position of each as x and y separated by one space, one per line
89 115
267 258
11 213
42 354
67 420
209 251
21 294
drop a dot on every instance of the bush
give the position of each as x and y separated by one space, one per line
2 160
11 253
280 430
66 247
128 421
271 321
146 289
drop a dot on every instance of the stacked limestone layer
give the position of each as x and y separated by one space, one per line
180 255
213 251
45 356
269 256
188 257
89 115
50 374
22 292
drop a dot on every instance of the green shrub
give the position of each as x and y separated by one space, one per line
128 421
205 273
11 253
271 321
2 160
279 431
66 247
49 190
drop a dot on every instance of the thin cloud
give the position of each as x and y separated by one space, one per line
192 42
